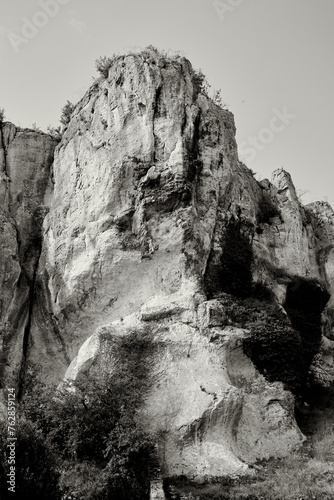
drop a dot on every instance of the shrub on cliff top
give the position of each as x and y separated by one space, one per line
155 55
54 131
200 83
202 86
66 113
218 99
103 64
2 115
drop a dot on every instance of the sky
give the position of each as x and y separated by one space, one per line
272 59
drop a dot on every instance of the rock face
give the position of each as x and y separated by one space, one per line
149 217
26 158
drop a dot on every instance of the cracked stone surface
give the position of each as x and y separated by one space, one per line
26 158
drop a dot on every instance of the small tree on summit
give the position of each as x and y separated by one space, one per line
217 99
2 115
66 113
103 64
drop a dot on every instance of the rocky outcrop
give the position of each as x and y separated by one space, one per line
149 218
26 159
209 407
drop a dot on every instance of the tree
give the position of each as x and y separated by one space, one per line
200 83
103 64
66 113
94 426
37 472
217 99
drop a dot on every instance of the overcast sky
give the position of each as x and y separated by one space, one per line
273 60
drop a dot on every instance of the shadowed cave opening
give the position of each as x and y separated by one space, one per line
230 272
304 304
283 348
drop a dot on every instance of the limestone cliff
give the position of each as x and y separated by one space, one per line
26 159
149 220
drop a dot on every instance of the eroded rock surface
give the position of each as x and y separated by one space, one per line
212 410
148 218
26 158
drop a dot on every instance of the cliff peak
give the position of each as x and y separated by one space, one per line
144 218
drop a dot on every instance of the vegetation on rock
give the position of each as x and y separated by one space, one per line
281 346
66 113
276 349
103 64
87 442
267 210
159 56
55 132
37 465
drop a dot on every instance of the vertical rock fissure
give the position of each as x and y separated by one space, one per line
184 118
27 329
155 115
195 167
2 146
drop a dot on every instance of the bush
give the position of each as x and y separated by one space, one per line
66 113
275 348
103 64
200 83
55 132
36 128
36 465
217 99
267 210
83 481
2 115
94 424
276 351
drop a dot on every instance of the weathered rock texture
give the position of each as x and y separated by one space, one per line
150 218
26 158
